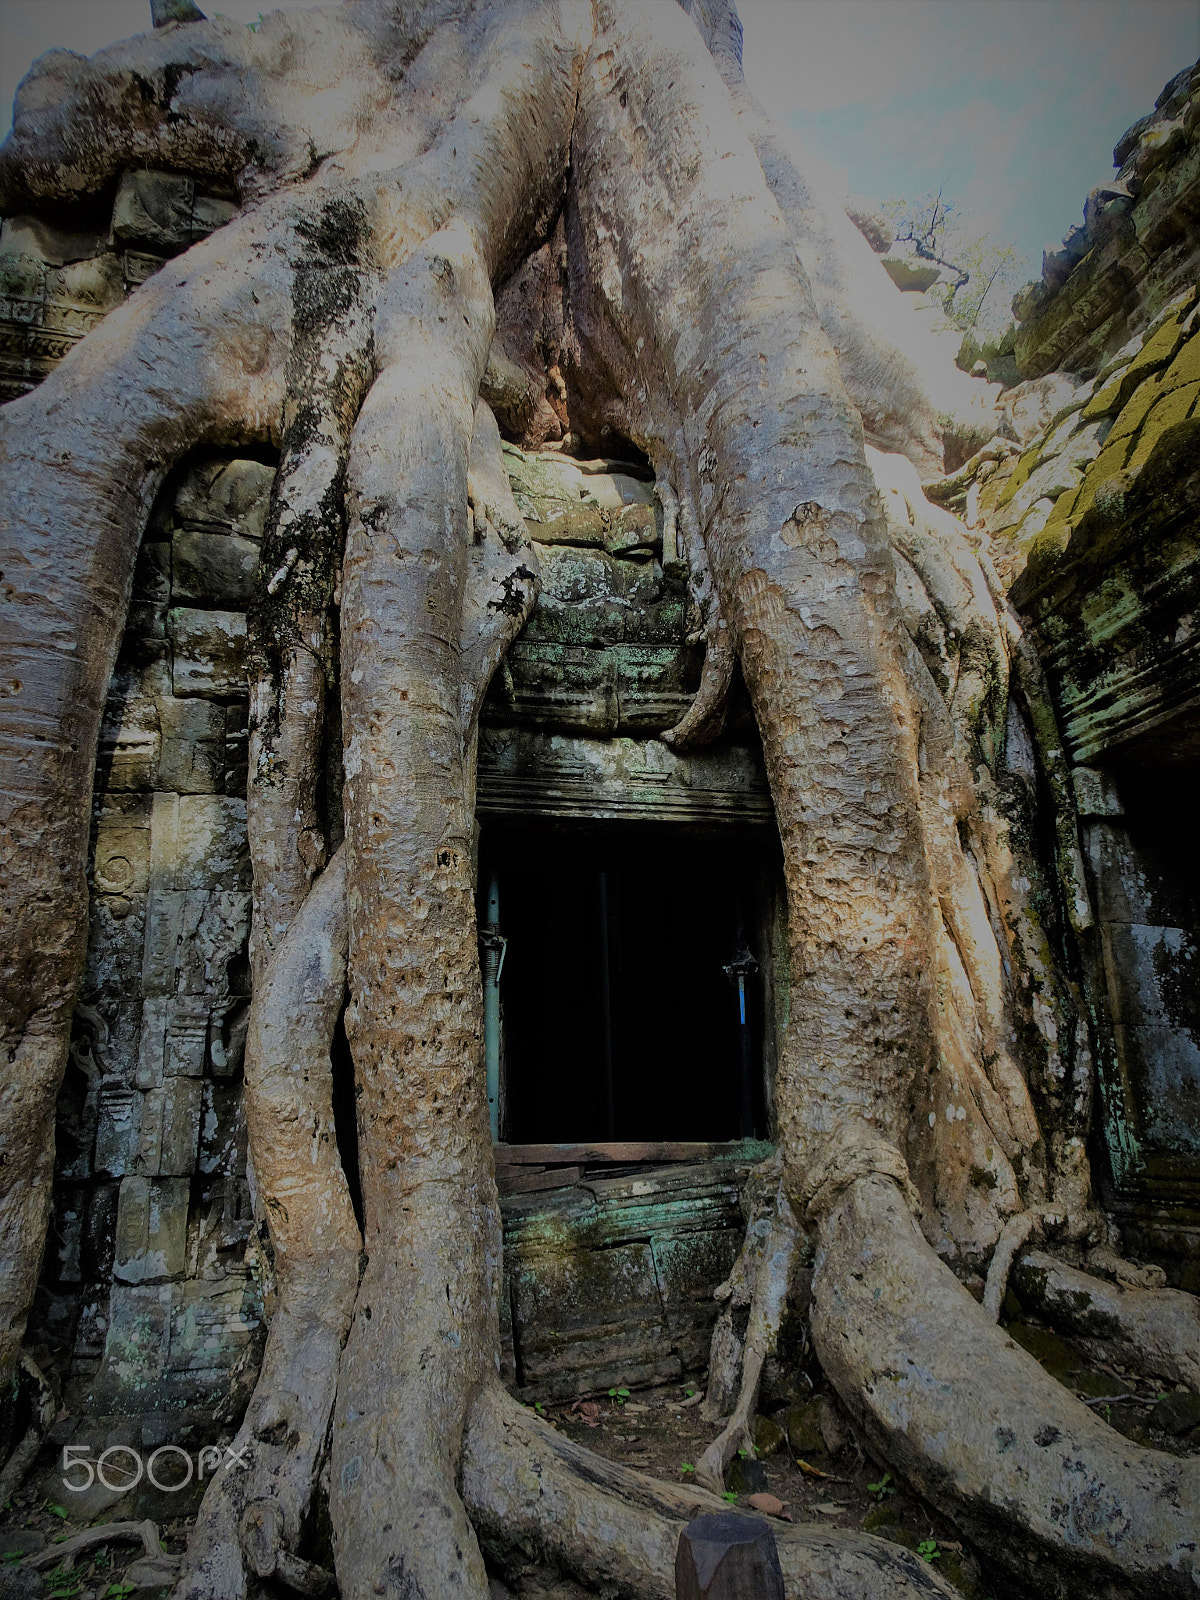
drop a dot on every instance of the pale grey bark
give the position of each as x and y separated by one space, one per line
731 347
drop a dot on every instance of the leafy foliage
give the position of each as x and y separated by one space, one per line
980 274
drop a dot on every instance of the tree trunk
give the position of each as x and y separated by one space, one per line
712 313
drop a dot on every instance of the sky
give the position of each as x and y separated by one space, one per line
1010 107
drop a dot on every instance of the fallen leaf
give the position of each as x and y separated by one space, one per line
770 1506
829 1511
810 1471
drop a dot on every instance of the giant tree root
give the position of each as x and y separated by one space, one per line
1030 1474
251 1521
534 1495
771 1283
1156 1330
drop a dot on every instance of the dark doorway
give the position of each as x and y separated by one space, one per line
619 1020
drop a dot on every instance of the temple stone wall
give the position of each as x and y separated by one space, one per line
146 1275
155 1275
1093 513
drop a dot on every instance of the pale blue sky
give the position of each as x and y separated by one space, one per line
1012 107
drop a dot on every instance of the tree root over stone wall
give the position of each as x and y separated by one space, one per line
709 315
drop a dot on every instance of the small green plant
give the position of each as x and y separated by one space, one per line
539 1408
618 1396
64 1583
118 1591
57 1511
744 1455
10 1556
928 1550
730 1495
686 1466
880 1491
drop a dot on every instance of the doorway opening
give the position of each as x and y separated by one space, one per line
633 1000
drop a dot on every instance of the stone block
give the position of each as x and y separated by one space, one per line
1131 885
216 928
114 962
228 1047
588 1318
164 933
66 1233
223 1221
151 1233
116 1017
211 1324
1095 793
154 209
213 853
192 752
121 861
137 267
137 1340
127 756
209 212
229 495
96 1258
170 1129
1163 1065
222 1130
31 236
95 284
236 750
151 594
118 1129
152 1046
216 569
187 1037
1152 975
209 652
688 1265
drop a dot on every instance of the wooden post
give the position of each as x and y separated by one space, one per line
727 1556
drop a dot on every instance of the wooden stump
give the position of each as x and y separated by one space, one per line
726 1556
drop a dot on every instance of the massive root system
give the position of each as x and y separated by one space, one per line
398 164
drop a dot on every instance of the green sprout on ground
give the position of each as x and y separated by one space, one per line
928 1550
539 1408
880 1491
686 1466
65 1584
618 1396
730 1495
118 1591
56 1510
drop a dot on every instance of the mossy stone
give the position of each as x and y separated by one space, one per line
768 1436
1045 1347
1186 366
1107 465
1020 473
1177 1414
1137 408
746 1476
1170 411
804 1429
884 1516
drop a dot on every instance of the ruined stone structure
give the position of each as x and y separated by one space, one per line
809 861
